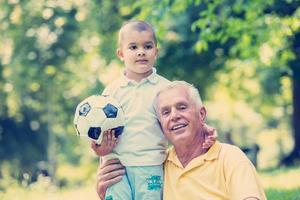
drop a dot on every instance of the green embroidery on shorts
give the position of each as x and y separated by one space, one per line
109 197
154 182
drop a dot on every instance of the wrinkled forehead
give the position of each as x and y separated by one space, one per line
172 95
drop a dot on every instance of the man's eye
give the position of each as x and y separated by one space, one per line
182 107
165 113
133 47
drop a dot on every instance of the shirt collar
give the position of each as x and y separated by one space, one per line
152 78
211 154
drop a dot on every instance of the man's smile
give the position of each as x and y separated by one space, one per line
178 127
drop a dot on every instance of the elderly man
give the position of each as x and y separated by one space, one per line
192 171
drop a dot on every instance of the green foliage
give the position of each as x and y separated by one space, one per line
39 81
54 53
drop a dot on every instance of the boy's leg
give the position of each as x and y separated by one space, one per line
146 182
120 190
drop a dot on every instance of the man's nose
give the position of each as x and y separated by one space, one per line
175 115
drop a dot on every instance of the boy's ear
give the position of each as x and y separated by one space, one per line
119 53
157 53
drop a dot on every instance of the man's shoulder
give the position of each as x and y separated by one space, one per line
231 148
232 152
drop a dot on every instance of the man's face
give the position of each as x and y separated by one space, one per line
138 51
180 119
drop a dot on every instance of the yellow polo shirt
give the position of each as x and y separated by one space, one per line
224 172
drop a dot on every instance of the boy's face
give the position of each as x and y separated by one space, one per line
138 51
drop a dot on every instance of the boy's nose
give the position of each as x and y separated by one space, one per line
141 53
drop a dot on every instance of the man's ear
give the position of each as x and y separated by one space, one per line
202 113
120 54
159 123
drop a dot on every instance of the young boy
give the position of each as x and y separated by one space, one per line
142 146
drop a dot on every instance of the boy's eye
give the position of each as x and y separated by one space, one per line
133 47
149 46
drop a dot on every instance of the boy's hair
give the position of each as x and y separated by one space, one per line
136 25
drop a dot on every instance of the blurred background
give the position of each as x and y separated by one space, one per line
242 55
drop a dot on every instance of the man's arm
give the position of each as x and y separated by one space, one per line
109 173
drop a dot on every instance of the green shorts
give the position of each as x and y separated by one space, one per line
139 183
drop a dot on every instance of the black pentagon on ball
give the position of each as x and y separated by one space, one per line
118 130
110 111
94 132
84 109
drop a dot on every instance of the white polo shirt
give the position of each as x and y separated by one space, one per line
142 142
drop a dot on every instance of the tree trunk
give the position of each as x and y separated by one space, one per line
294 156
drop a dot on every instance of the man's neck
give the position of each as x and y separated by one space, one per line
187 153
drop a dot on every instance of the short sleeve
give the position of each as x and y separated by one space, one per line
242 179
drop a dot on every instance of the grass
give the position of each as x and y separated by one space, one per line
44 190
282 183
279 184
283 194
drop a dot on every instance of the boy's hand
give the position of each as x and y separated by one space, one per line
210 136
108 143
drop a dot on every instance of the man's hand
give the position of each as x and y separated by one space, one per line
109 173
108 143
210 136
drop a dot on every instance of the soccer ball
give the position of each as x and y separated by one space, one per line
96 114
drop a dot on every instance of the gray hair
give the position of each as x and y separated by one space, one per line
192 91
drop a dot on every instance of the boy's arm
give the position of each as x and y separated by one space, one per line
211 136
108 143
